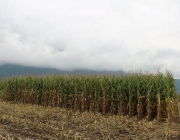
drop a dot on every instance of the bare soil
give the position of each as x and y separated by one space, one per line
31 122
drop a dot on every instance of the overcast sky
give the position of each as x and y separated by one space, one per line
91 34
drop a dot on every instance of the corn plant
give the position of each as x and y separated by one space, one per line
151 95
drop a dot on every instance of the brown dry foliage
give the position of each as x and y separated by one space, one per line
178 104
18 121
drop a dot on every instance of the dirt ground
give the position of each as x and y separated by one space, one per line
30 122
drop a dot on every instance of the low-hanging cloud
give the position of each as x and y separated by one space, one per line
99 35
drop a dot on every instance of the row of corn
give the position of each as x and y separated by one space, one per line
136 94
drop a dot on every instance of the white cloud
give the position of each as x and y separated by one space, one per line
102 34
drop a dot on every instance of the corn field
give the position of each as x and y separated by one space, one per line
143 95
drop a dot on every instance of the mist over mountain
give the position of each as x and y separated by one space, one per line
8 70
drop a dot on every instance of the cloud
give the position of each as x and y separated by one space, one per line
101 35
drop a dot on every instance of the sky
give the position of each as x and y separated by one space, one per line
124 35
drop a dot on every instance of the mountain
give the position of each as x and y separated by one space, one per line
8 70
177 81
